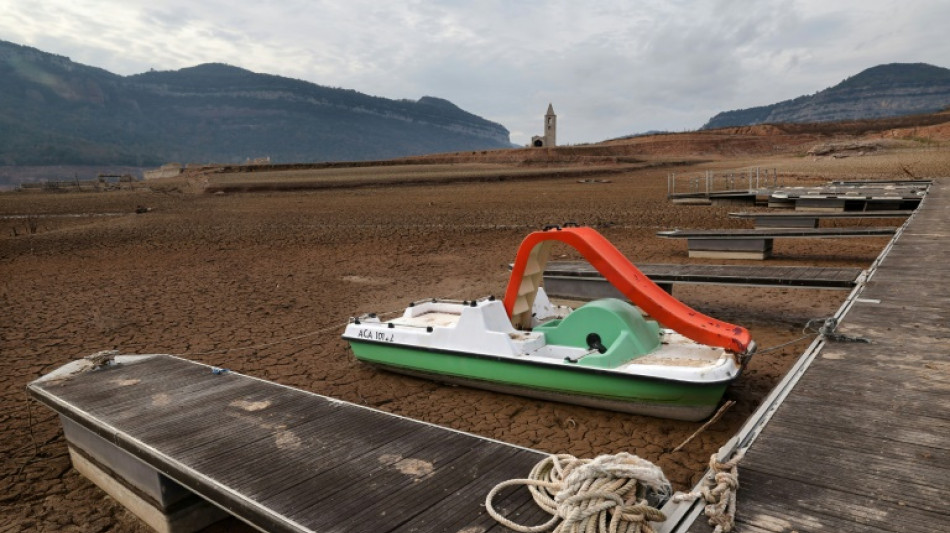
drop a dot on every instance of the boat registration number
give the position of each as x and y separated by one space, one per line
379 336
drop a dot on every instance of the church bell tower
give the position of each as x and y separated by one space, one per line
550 127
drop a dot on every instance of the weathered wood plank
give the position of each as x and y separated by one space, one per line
219 427
904 293
382 515
848 214
215 450
286 460
901 368
879 392
867 422
320 501
292 459
813 507
851 472
451 515
928 319
559 276
817 432
917 183
775 233
110 389
205 408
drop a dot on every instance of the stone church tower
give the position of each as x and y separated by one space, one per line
549 139
550 127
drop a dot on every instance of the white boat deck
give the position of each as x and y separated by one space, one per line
429 319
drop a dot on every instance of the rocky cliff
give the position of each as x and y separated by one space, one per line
881 91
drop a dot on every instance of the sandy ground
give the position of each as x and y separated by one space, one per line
262 284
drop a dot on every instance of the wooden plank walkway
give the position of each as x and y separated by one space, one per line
579 280
775 233
898 213
862 442
757 243
848 198
882 183
282 459
805 219
912 191
708 198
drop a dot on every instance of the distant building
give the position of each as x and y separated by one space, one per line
168 170
258 161
549 139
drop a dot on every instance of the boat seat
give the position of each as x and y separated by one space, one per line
616 329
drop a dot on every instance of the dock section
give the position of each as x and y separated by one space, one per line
581 281
757 243
162 431
837 198
804 219
862 442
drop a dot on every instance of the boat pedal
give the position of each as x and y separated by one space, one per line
576 358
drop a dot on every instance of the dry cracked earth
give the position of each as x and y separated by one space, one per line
262 283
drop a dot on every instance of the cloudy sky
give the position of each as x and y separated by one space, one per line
610 67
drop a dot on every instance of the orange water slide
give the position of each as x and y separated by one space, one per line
527 274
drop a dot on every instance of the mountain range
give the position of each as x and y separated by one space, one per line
882 91
54 111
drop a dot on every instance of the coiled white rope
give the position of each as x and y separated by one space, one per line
606 494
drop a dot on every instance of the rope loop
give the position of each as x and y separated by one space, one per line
830 330
605 494
718 490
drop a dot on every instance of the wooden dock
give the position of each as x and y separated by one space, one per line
883 183
862 441
579 280
740 196
804 219
278 458
757 243
848 197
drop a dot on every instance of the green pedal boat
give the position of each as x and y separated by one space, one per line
604 354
